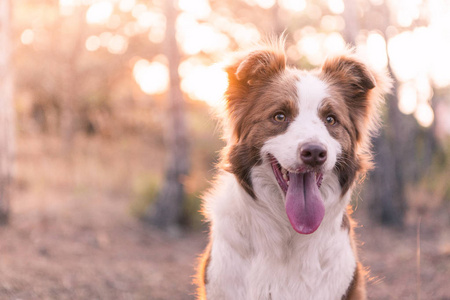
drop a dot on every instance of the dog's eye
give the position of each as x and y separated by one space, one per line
279 117
331 120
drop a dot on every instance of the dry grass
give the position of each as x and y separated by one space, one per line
72 235
393 255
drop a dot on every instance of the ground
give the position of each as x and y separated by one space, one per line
72 235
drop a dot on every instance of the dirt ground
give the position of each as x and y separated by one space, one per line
72 236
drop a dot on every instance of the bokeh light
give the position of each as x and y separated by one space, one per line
118 44
152 77
293 5
99 12
424 114
407 98
418 55
336 6
376 51
126 5
199 9
93 43
202 82
27 37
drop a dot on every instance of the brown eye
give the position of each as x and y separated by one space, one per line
280 117
331 120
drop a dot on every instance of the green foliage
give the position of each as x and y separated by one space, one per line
145 190
438 175
192 216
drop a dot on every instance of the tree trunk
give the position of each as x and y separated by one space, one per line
394 150
6 110
351 28
70 80
167 211
386 187
385 190
278 26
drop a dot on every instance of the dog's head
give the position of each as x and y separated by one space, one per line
303 126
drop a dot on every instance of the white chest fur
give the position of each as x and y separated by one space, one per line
257 255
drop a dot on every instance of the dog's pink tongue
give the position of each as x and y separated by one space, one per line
304 205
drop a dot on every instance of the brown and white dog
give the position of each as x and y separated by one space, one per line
297 142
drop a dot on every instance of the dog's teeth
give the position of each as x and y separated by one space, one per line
284 171
285 177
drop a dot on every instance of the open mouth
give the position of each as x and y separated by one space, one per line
283 175
304 204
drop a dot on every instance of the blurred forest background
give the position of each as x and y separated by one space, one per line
107 138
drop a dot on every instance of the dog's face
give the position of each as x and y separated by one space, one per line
305 126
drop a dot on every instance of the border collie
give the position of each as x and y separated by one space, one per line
297 142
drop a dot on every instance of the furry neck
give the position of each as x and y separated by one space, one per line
265 219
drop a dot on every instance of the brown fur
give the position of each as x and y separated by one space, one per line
343 131
260 86
357 287
359 92
202 275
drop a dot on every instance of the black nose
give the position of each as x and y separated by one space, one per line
313 155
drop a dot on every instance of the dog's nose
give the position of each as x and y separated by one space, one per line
313 155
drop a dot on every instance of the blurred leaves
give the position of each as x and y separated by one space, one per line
97 68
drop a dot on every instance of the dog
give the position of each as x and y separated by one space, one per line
297 141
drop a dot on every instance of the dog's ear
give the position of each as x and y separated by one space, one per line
246 74
362 88
260 65
350 72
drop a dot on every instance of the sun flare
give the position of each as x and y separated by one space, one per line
152 77
99 12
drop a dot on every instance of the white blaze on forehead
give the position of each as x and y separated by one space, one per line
311 92
306 127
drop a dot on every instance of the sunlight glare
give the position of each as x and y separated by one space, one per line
424 90
407 11
126 5
424 114
316 46
99 12
336 6
421 52
152 78
66 7
138 10
118 44
403 56
266 4
293 5
407 98
27 37
334 43
93 43
206 83
310 46
199 9
148 19
156 35
195 37
440 58
245 34
376 51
